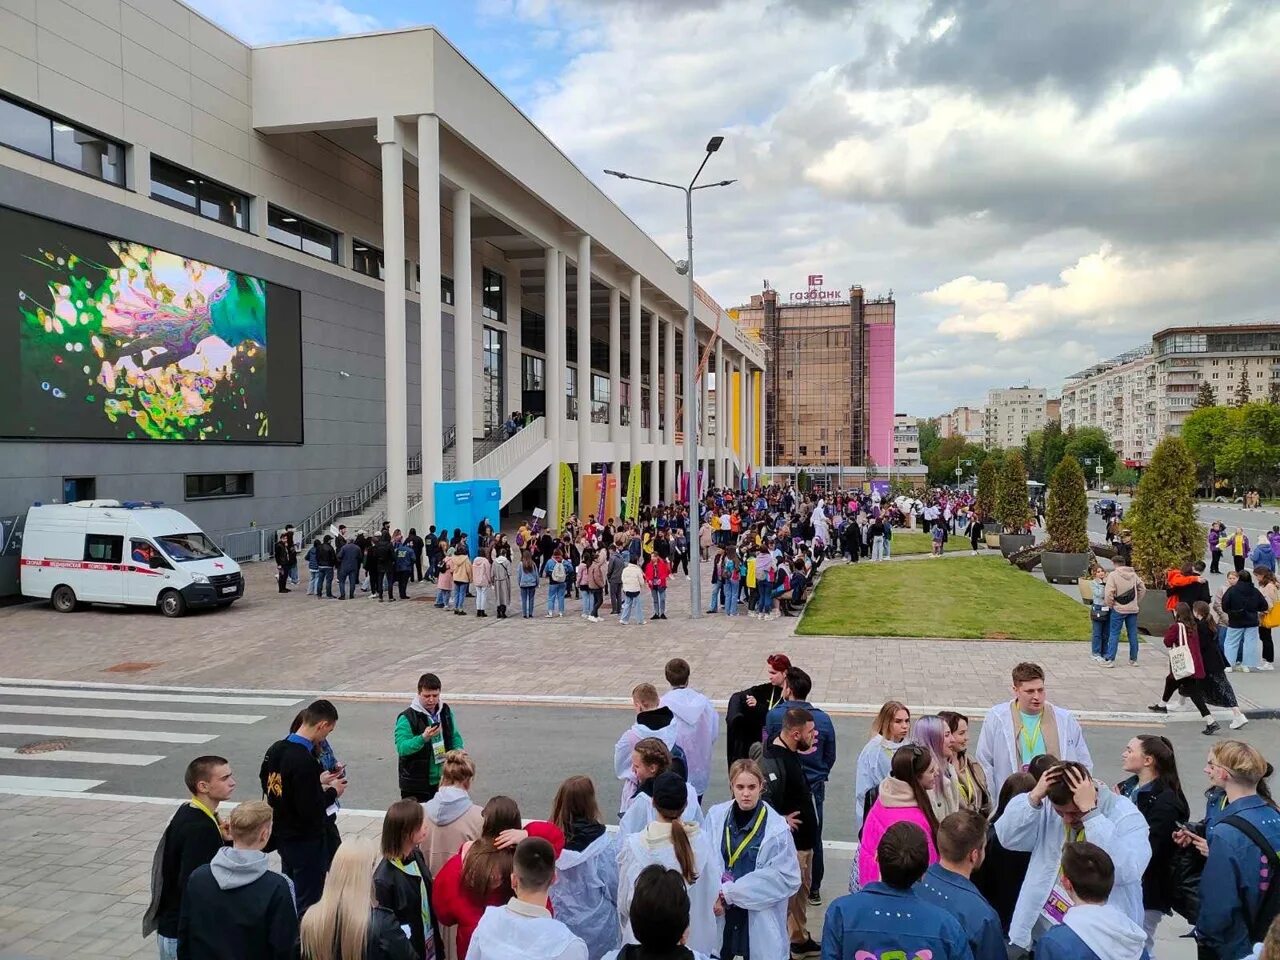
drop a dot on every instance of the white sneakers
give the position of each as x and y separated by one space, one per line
1239 722
1266 666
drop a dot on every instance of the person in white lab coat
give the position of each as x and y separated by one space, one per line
523 927
673 843
888 733
652 721
697 724
1027 726
758 868
585 895
649 760
1077 810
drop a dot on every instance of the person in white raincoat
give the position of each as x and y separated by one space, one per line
652 721
758 869
1021 729
1076 810
681 846
888 733
697 724
649 760
585 894
821 525
659 917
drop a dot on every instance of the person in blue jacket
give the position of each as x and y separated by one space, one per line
962 844
1231 887
886 918
817 761
1263 555
1090 928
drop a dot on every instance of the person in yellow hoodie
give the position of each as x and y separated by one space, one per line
750 563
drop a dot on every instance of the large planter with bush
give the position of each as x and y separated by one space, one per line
1011 543
1154 618
1013 509
1166 533
1066 555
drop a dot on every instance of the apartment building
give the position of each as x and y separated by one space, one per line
1118 396
1185 357
906 440
967 422
1011 414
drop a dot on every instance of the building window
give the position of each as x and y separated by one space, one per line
212 486
624 401
534 372
599 398
301 234
446 291
190 191
65 144
494 397
493 296
366 259
571 392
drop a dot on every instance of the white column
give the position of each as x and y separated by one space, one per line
634 320
463 372
554 380
137 177
393 324
584 363
429 335
669 411
704 420
722 390
655 437
615 385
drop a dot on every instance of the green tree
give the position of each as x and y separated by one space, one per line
1206 432
1243 394
1054 448
802 481
1273 392
988 480
929 440
1206 396
1013 508
1093 444
1124 477
1067 512
1251 452
1033 455
1162 517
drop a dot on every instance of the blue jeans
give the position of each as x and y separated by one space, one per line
717 594
632 605
888 547
314 585
527 595
731 598
765 590
555 598
588 603
325 582
460 595
1121 621
168 947
1101 635
1242 646
443 596
659 600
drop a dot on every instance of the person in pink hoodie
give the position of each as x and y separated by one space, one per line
904 795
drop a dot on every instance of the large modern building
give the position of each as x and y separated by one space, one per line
906 440
1011 414
1186 357
1116 396
268 284
830 379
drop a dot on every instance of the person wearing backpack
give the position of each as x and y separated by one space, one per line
557 571
731 572
1123 594
787 791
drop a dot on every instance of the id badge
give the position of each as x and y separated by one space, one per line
437 748
1056 907
726 877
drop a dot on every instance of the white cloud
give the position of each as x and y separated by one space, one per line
275 20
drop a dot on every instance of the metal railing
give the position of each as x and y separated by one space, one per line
499 461
256 543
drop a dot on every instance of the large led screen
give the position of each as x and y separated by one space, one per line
107 339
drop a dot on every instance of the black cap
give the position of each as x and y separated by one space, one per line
670 792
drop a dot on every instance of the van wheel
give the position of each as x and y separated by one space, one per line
172 604
64 599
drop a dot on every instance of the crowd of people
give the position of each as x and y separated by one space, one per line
1007 848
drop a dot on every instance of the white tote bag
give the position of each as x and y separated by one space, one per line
1181 665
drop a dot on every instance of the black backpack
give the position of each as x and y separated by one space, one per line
1260 922
775 776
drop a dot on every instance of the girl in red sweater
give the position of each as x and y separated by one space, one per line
479 875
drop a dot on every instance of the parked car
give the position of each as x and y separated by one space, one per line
1107 506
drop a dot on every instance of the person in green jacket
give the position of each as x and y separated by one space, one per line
425 732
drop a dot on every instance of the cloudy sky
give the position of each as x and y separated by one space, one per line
1040 184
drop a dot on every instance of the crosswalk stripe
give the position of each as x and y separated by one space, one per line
64 693
106 713
66 784
83 756
95 733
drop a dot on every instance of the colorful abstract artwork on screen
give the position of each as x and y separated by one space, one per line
147 346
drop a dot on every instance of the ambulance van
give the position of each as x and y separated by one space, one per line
135 553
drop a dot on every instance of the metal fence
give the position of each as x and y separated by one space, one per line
256 543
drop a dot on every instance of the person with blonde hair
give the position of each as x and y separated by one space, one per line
888 731
586 890
452 817
758 867
235 905
653 720
1241 864
345 923
685 847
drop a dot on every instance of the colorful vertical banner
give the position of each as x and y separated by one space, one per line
565 506
633 492
604 494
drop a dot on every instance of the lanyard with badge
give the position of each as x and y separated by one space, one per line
437 740
1029 742
1056 907
733 854
411 869
207 812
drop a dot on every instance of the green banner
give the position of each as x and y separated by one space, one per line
633 492
565 506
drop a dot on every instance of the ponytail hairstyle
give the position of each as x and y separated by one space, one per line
485 868
1245 764
910 763
1204 613
1160 750
680 841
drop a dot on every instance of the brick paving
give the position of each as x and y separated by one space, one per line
274 641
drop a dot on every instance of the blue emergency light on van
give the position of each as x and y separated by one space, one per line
138 504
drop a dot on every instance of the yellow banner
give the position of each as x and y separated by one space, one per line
633 492
565 506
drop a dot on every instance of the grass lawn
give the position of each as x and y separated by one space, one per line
966 597
907 543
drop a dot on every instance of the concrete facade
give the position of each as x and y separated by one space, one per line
1011 414
1115 396
964 422
1186 357
906 440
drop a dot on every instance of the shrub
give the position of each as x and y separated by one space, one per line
985 502
1162 517
1013 509
1067 512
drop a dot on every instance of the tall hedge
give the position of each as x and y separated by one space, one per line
1013 508
1166 533
985 502
1067 512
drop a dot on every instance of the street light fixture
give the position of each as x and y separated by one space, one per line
685 268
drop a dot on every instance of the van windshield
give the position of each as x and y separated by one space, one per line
184 547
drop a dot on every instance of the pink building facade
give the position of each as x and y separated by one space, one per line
880 360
